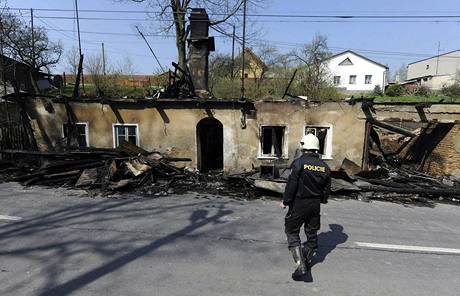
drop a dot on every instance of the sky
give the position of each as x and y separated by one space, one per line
391 41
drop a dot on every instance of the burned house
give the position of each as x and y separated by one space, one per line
238 136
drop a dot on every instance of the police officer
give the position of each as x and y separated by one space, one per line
308 185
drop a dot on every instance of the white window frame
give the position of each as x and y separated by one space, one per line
86 131
285 154
370 79
349 79
339 79
328 144
114 136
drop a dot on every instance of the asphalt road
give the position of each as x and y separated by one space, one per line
61 242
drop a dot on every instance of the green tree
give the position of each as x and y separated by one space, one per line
312 77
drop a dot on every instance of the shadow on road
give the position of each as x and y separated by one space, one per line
198 219
53 255
327 242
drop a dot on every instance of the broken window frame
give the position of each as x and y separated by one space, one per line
328 141
125 125
64 133
284 146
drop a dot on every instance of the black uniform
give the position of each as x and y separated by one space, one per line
308 185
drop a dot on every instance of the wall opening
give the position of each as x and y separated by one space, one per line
82 133
324 135
210 145
272 141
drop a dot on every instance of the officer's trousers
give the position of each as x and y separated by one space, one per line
304 212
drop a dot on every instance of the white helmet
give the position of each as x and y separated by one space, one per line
309 142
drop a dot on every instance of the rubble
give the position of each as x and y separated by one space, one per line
128 168
386 182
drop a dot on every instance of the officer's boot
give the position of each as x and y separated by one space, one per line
308 254
301 268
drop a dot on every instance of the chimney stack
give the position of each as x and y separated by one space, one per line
199 44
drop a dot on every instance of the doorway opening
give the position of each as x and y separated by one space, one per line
210 145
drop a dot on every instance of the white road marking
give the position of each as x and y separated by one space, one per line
408 248
11 218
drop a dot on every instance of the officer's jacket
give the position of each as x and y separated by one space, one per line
310 178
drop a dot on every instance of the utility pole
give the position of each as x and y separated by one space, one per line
79 43
2 59
103 59
437 59
32 37
3 65
233 51
242 53
151 50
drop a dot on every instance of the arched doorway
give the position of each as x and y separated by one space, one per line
210 144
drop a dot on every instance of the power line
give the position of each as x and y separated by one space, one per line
359 21
115 33
94 42
277 15
279 43
342 20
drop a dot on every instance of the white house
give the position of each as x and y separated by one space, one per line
354 73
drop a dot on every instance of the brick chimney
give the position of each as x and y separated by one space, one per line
199 45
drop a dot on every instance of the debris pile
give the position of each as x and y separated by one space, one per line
128 168
396 183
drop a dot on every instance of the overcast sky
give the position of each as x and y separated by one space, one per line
387 41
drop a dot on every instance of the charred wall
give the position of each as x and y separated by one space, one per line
172 130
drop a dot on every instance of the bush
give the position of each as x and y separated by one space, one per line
451 90
377 91
422 91
394 90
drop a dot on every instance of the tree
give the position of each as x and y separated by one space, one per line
125 67
401 73
220 66
72 59
172 14
313 74
37 52
94 68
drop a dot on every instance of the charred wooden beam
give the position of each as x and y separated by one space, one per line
289 84
365 163
392 128
366 106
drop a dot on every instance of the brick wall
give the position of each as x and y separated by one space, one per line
445 158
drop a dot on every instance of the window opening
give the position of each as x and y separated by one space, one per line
272 141
324 136
81 133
